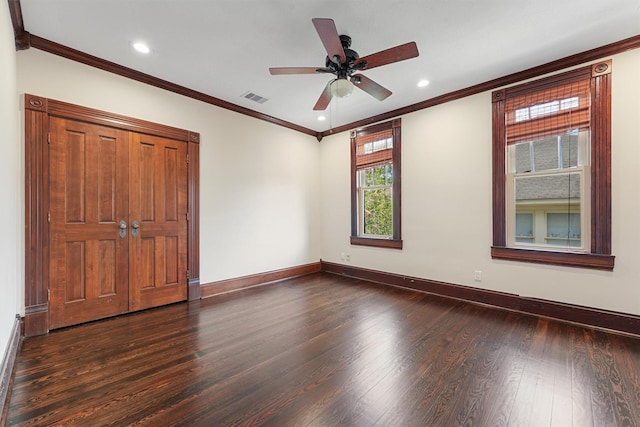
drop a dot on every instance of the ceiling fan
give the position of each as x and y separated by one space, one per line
343 62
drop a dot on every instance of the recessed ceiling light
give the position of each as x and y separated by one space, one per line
141 47
423 83
322 118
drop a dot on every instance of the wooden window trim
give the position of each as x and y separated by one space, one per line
600 255
378 243
396 241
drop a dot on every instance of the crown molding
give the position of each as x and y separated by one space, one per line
93 61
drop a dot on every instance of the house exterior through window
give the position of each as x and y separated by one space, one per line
547 192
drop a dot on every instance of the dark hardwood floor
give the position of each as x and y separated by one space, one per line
324 350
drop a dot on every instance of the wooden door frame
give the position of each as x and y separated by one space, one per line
37 111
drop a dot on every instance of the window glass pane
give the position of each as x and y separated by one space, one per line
554 200
365 177
552 188
380 175
572 102
569 150
524 227
542 154
523 157
522 114
545 109
545 154
379 145
378 212
563 229
368 173
377 202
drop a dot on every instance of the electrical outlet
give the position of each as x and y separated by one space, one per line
347 257
342 256
477 276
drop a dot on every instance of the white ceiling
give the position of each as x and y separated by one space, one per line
224 48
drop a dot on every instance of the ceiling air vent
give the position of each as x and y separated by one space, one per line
253 97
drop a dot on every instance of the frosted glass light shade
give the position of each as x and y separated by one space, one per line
341 88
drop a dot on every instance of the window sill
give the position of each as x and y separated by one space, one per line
379 243
567 259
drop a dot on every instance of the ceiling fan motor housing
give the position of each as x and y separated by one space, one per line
346 68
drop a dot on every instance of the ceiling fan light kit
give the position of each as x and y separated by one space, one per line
341 88
343 62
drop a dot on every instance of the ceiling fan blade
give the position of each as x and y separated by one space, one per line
325 98
326 29
298 70
389 56
371 87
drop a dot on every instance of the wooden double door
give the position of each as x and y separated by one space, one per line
118 221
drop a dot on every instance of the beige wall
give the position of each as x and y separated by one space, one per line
258 211
11 188
447 213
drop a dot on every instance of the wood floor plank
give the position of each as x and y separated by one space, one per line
628 356
601 402
522 410
485 366
557 352
581 381
499 401
435 373
374 389
353 379
610 403
325 350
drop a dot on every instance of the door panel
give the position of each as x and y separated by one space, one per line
158 202
101 177
106 276
88 260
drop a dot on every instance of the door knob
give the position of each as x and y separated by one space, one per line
123 229
134 228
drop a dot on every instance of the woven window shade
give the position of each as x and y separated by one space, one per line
548 112
366 160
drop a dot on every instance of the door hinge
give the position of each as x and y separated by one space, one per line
187 274
187 159
49 216
49 138
48 294
187 216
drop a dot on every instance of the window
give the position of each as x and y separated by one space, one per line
552 161
375 185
